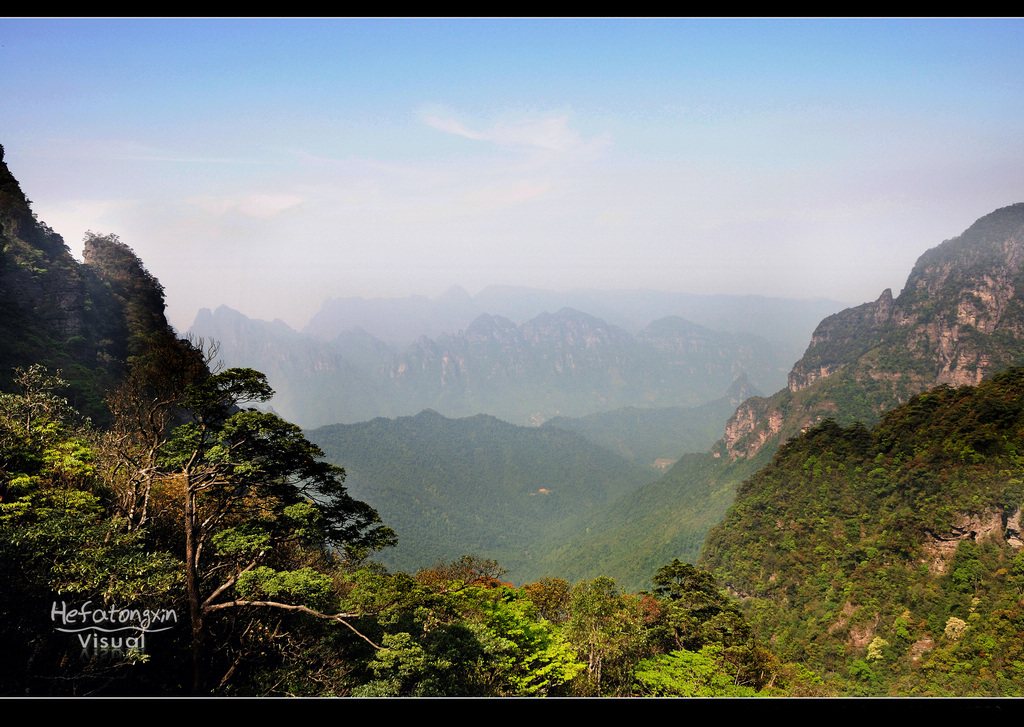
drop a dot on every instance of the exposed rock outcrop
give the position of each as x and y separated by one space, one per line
940 548
959 317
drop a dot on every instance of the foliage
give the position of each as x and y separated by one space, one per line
57 539
254 496
452 637
476 485
676 512
841 537
606 627
186 499
701 673
551 597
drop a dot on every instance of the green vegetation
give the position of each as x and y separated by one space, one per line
476 485
668 518
647 435
229 518
882 558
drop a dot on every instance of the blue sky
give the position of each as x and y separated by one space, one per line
270 164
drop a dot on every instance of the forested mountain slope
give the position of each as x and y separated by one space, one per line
84 319
890 557
653 436
477 485
959 317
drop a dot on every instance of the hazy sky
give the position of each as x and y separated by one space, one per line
270 164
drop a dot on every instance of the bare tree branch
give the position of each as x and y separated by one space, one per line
339 617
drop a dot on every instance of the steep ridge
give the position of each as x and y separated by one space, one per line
959 317
84 319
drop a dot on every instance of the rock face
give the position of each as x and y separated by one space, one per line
839 338
959 317
939 548
754 424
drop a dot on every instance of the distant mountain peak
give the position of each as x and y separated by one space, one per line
741 389
455 294
673 325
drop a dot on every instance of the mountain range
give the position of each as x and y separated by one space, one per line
958 318
867 515
399 321
567 363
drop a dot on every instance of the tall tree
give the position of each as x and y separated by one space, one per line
606 627
249 491
701 624
695 612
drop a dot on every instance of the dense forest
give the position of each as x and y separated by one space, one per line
243 560
476 485
890 558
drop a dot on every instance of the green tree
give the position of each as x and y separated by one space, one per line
606 628
57 540
703 673
696 613
524 655
454 630
551 597
249 492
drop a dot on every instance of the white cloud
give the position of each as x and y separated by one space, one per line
551 133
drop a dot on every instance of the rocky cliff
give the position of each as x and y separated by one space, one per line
959 317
